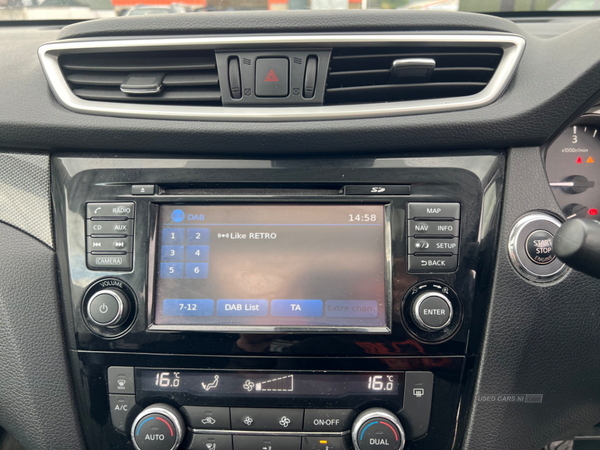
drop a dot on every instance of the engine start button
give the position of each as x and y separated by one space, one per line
539 247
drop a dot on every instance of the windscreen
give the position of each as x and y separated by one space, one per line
93 9
270 267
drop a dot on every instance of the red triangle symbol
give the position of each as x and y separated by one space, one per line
271 76
579 161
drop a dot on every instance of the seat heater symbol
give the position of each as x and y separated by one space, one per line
209 421
285 421
248 420
418 392
214 384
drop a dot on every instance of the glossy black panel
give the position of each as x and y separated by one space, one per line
473 181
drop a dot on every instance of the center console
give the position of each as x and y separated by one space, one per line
317 304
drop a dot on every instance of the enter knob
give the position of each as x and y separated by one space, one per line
158 427
432 311
377 429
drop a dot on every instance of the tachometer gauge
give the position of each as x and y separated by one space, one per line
573 168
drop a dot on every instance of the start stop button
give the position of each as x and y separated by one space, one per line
539 247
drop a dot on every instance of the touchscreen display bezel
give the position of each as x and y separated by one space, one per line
264 329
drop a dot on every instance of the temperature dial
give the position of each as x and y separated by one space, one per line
158 427
377 429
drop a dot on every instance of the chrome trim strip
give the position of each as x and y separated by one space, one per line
512 45
270 433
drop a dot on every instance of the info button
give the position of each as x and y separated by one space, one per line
242 308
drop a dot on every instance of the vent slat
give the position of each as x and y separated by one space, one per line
191 79
171 95
97 79
364 75
401 92
186 76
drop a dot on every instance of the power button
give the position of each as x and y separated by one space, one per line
105 308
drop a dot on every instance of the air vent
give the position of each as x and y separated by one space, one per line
392 74
162 77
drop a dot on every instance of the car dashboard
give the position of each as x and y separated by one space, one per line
297 231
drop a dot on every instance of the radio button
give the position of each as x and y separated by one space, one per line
209 441
124 244
433 228
432 264
111 210
267 442
122 227
432 245
267 419
434 210
207 418
328 420
325 443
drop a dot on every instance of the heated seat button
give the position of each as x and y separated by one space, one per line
539 247
267 419
328 420
272 77
209 442
267 442
120 227
326 443
207 417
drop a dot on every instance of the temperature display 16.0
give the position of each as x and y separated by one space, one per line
252 384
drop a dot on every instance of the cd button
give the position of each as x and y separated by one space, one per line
267 442
268 419
328 420
207 418
123 227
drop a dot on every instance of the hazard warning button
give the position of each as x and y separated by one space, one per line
272 75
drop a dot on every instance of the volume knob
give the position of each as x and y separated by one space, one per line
108 308
158 427
377 429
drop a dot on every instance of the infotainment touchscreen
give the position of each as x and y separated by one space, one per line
272 267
